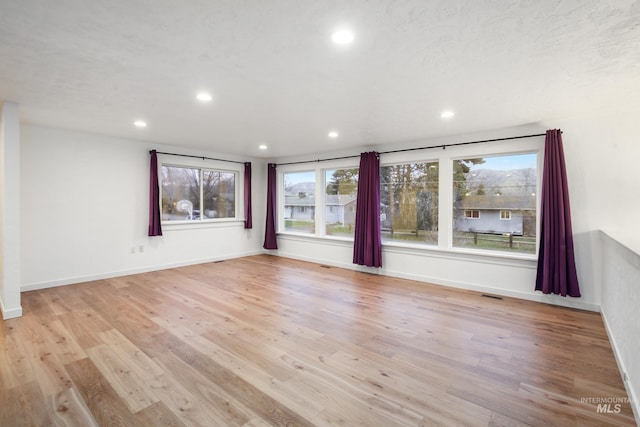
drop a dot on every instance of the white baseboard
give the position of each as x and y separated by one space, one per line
108 275
628 385
10 313
533 296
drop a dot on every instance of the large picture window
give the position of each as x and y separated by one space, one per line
341 189
494 206
460 201
300 202
409 202
195 194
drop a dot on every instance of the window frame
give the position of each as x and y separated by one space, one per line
211 166
280 196
444 158
332 208
506 217
410 243
320 196
533 146
471 216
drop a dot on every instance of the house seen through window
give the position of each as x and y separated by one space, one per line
341 190
494 205
300 202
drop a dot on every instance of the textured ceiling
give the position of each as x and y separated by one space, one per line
277 78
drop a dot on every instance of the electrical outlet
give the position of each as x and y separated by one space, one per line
133 250
141 249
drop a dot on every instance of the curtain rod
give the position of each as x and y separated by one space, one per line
199 157
443 146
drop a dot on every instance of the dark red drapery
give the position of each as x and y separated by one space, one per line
155 226
556 261
367 242
248 220
270 241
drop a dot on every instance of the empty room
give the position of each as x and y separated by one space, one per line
298 213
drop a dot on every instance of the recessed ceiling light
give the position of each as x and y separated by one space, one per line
447 114
204 97
333 134
140 123
342 37
262 146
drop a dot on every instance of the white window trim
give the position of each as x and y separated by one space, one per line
445 160
508 216
320 197
472 211
193 163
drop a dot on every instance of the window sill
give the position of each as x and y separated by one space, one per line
189 225
481 256
314 238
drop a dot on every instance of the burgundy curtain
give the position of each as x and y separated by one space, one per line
155 227
270 241
556 262
248 221
367 242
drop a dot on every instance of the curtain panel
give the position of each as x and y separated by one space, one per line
556 262
155 226
270 241
248 220
367 242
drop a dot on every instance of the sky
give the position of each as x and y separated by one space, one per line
292 178
518 161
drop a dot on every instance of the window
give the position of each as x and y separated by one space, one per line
300 202
491 199
409 202
471 214
492 190
341 190
194 194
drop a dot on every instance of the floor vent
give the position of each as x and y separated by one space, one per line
491 296
216 262
325 266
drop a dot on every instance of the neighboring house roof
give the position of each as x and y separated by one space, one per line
339 199
331 200
299 201
515 203
301 187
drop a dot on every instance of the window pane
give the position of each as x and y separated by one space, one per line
219 194
180 193
409 203
300 202
494 205
340 201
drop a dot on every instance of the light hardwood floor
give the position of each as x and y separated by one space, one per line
271 341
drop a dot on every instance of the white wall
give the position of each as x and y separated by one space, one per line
620 303
85 209
602 161
602 167
10 210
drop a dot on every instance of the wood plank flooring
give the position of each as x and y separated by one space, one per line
263 340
